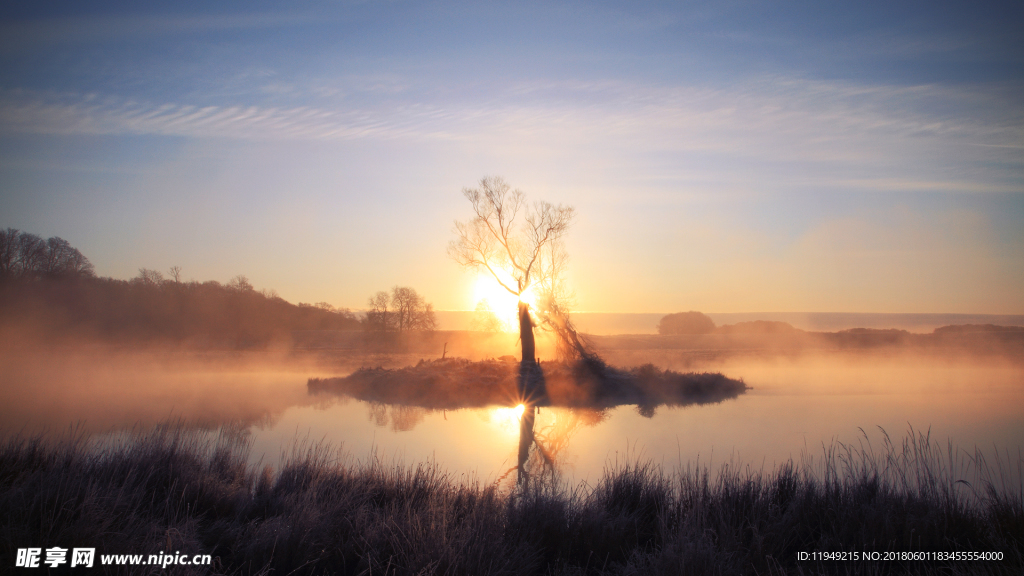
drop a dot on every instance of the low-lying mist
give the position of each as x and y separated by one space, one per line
46 385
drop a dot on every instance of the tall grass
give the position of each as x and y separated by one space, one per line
171 489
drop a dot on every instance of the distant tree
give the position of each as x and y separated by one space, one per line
758 327
402 310
404 302
378 317
26 255
60 258
240 283
175 272
8 252
30 255
411 311
149 277
691 322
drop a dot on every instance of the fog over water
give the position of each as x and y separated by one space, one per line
794 408
607 323
797 403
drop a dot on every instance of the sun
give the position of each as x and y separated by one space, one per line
502 302
529 296
507 419
486 287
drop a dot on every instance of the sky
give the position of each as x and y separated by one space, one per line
720 156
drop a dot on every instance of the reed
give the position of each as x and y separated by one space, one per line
174 489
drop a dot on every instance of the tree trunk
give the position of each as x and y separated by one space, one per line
532 387
525 440
526 334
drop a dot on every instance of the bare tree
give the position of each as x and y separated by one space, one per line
402 310
8 252
149 277
65 260
425 319
378 317
405 302
412 312
520 246
31 254
175 272
240 283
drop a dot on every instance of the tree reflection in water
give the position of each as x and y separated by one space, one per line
526 439
574 394
541 447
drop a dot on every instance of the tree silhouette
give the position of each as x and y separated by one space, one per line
379 318
24 255
519 245
411 311
691 322
402 310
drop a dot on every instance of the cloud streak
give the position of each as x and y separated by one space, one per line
907 135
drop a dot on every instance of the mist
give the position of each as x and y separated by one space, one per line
561 289
264 393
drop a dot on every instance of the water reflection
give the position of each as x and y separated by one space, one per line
101 392
542 446
400 418
796 405
570 396
533 392
526 439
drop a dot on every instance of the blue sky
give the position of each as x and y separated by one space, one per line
725 157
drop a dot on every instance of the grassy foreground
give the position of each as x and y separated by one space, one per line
175 490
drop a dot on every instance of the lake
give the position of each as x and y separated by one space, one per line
795 407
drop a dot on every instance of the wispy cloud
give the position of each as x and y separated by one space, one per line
902 133
90 115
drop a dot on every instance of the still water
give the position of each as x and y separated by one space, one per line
794 406
793 409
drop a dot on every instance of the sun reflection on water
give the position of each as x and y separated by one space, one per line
507 419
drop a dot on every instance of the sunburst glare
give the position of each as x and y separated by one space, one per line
507 419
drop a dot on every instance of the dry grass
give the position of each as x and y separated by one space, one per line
171 489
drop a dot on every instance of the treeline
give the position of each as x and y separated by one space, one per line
696 323
694 327
149 308
24 255
693 322
48 288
